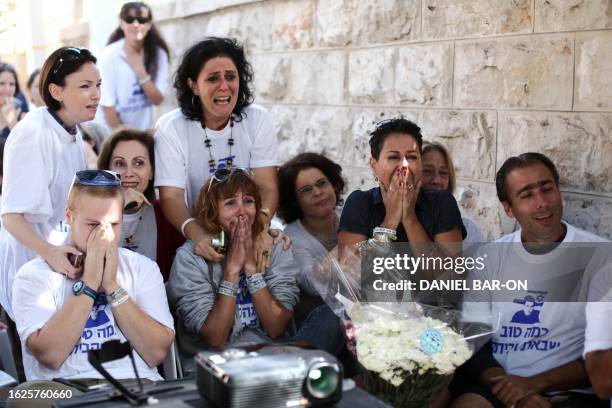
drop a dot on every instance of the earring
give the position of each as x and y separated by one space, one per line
193 101
375 177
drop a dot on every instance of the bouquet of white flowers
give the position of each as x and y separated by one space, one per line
408 350
409 354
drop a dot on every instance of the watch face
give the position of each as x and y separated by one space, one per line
77 288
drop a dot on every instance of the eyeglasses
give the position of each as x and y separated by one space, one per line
221 175
308 190
70 54
98 178
141 20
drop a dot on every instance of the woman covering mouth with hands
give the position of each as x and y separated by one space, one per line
42 155
399 209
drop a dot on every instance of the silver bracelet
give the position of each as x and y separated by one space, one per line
381 233
184 224
144 80
120 301
256 283
228 289
114 294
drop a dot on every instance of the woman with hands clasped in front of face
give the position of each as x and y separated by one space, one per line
399 209
230 302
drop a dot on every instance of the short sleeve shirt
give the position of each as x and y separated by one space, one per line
437 212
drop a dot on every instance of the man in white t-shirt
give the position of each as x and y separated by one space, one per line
536 351
120 295
598 336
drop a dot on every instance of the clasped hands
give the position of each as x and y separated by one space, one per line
101 262
519 392
400 197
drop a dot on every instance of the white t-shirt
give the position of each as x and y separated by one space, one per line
537 330
40 161
598 334
181 158
139 232
39 294
121 87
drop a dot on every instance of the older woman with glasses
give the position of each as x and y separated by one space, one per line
310 186
229 302
134 69
216 126
42 155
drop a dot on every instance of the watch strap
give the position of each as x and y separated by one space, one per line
90 292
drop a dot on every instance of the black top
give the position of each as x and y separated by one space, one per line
437 212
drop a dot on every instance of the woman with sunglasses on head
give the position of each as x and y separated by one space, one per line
229 302
215 127
438 175
399 209
11 108
134 69
42 155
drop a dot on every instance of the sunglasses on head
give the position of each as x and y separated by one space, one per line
221 175
105 178
141 20
70 54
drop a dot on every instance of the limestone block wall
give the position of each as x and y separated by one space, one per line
488 78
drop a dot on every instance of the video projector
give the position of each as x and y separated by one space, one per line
272 376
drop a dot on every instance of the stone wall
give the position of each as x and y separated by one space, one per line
488 78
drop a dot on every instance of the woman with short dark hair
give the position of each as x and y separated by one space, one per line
310 186
134 69
399 209
216 126
42 155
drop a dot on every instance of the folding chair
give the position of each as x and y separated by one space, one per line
7 361
172 364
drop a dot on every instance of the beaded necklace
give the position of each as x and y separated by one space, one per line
212 163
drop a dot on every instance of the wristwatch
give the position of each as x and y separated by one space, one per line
80 287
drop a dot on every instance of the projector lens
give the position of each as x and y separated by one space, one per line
322 380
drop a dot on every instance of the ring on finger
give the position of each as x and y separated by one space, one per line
410 187
265 253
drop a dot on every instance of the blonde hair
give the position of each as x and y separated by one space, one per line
437 147
77 190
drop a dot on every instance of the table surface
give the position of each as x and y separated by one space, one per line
184 393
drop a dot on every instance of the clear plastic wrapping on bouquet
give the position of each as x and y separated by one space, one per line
409 342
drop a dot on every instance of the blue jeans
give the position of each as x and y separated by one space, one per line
322 329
